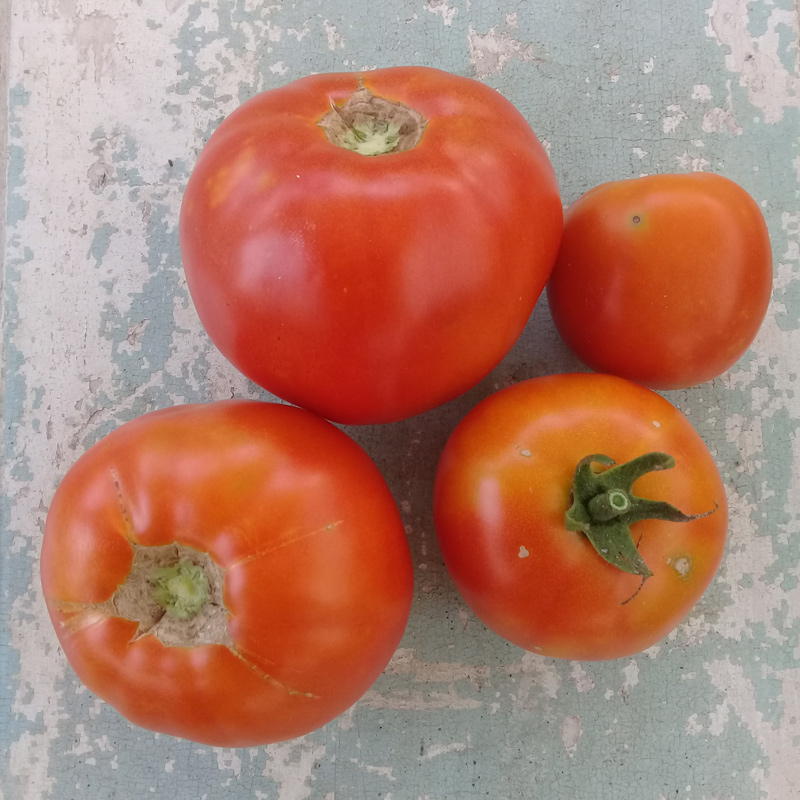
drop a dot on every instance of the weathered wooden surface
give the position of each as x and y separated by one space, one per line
108 105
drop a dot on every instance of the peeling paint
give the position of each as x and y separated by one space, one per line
758 60
490 52
109 107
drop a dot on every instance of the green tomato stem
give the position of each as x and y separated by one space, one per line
604 507
181 590
371 125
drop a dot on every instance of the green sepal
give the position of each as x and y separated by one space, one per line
597 502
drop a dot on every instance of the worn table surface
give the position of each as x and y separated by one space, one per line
109 103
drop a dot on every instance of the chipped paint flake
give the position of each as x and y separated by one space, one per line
692 163
446 12
571 732
759 60
489 53
583 681
291 766
333 37
777 741
436 750
672 119
701 92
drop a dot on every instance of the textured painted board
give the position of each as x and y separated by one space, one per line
109 103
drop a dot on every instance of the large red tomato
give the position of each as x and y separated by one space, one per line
371 245
664 280
233 573
546 539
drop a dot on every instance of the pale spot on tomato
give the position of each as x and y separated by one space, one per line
526 453
656 423
682 565
523 551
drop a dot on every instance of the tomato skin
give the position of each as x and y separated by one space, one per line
303 525
370 289
664 280
503 486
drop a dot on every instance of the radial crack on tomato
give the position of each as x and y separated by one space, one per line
127 520
167 631
265 676
285 542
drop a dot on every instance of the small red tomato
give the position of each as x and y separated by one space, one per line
543 533
234 573
664 280
369 246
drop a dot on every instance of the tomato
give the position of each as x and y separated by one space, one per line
549 545
374 283
233 573
664 280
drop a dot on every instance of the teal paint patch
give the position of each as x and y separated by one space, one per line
16 205
101 241
15 566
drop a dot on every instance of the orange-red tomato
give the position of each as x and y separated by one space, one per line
503 488
664 280
369 288
306 574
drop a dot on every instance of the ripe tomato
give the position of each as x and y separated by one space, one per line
233 573
528 568
664 280
369 246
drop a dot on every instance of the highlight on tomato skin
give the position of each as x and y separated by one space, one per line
370 245
664 279
580 516
234 573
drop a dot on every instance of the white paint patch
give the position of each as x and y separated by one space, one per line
672 119
229 761
717 119
776 740
630 679
291 766
490 52
693 163
648 66
95 36
538 680
334 38
701 92
440 7
583 681
384 772
571 732
523 551
279 68
758 60
436 750
693 727
429 685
